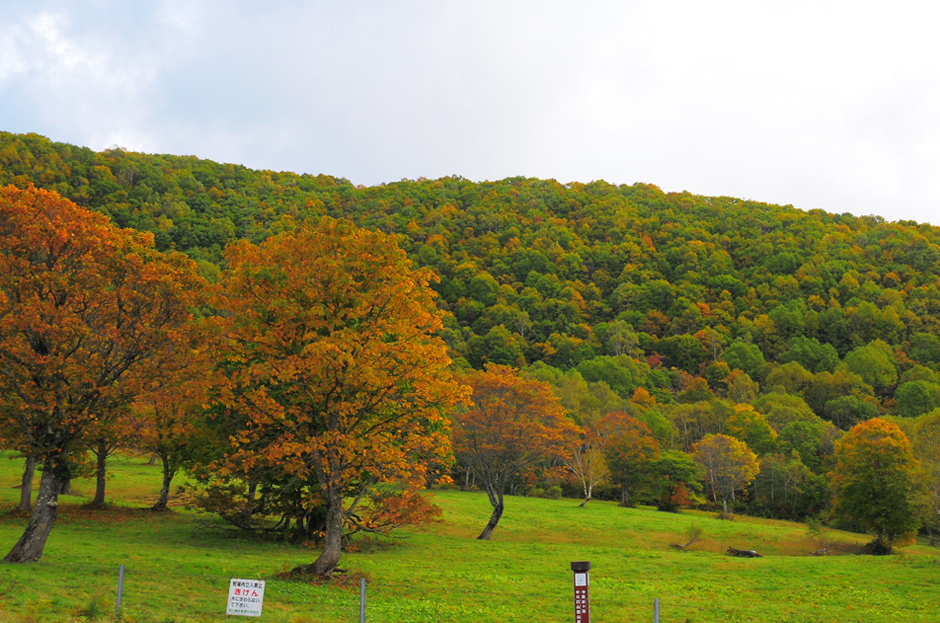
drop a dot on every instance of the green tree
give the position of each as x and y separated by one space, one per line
917 397
674 477
825 387
788 489
621 373
782 408
790 378
875 364
748 357
812 440
926 447
919 373
846 411
812 354
925 348
684 352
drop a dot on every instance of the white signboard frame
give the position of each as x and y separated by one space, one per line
245 597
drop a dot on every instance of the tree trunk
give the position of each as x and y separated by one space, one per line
624 497
26 486
101 473
325 565
588 491
249 508
497 502
724 508
168 474
29 547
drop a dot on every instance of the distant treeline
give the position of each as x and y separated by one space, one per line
674 293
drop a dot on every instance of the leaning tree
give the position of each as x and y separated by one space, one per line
513 424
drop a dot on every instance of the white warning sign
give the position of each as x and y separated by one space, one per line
245 597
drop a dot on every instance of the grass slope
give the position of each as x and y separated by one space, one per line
178 566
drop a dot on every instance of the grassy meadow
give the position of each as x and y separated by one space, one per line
178 566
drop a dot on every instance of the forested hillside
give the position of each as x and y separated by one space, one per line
684 310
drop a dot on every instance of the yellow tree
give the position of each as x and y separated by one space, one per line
513 424
873 482
587 461
86 309
332 357
729 466
751 427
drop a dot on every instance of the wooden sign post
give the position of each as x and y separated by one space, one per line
582 582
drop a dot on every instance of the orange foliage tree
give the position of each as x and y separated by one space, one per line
873 482
170 421
332 357
513 424
85 309
630 450
729 466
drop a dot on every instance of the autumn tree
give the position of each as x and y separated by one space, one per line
513 424
85 309
332 358
165 418
751 427
587 462
629 450
873 482
729 466
169 420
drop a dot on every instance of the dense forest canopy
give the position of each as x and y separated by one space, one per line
626 284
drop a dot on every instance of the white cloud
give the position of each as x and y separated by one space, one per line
827 105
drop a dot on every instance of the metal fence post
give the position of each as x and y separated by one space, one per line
362 600
120 593
656 610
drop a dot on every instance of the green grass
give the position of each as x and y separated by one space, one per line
178 566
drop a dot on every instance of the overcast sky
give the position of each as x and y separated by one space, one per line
832 105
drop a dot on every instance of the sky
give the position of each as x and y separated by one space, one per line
816 104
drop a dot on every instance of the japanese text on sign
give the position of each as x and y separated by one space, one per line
245 597
581 600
